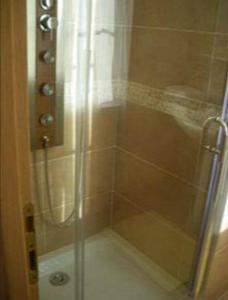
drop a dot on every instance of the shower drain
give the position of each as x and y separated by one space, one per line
59 278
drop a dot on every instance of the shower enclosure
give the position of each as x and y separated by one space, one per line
128 130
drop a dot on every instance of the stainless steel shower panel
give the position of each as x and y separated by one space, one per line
48 119
48 23
47 4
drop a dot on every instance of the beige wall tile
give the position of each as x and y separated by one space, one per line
155 191
51 237
217 82
97 213
150 62
190 15
222 240
98 203
151 234
222 22
102 126
62 182
186 258
99 171
96 223
217 283
220 47
96 218
57 238
159 139
165 58
62 177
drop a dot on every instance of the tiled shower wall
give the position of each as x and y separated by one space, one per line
217 283
141 156
178 67
99 183
61 160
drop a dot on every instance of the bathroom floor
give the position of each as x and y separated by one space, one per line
114 270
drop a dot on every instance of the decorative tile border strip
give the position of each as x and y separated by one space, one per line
174 101
176 104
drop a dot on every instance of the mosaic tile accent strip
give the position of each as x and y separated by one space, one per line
177 104
181 102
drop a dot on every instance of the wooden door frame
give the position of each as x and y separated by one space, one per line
15 150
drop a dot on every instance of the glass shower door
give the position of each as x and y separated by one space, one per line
123 173
56 163
156 72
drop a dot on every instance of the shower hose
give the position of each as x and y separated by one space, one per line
53 220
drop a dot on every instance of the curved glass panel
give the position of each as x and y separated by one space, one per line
121 197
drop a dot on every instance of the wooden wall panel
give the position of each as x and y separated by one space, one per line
15 149
3 290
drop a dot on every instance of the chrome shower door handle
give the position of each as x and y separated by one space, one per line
214 187
219 148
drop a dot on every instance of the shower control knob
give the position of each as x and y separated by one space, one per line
47 4
48 23
48 57
46 119
47 90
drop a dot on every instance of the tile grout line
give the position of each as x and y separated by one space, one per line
158 168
